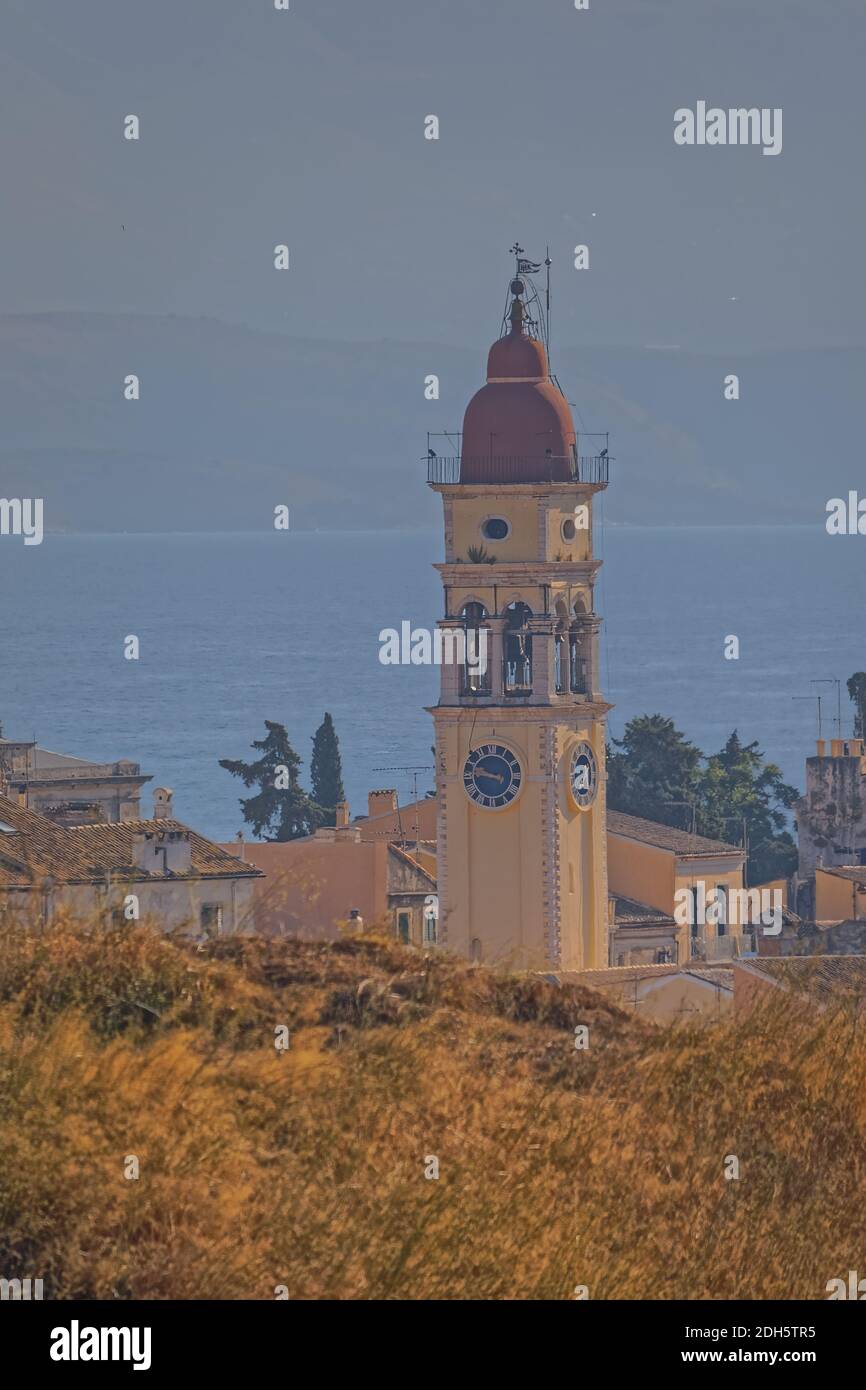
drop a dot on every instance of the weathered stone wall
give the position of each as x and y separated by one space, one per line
831 817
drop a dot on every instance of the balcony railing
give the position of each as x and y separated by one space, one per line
579 468
517 676
575 671
474 682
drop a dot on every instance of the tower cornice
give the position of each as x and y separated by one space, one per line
501 490
558 712
515 572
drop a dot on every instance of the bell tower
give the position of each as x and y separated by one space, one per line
520 737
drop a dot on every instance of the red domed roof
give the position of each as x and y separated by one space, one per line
518 358
518 428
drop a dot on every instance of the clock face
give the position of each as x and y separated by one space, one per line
491 776
583 775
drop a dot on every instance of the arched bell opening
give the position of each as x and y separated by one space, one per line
560 648
517 650
475 669
580 650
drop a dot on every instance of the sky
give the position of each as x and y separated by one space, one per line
306 127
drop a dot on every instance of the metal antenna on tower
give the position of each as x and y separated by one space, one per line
414 768
548 263
832 680
812 697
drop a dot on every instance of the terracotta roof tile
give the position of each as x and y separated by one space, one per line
826 979
630 911
75 854
856 873
651 832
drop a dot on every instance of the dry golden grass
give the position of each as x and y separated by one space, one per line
557 1167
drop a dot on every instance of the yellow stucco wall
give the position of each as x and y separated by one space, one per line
837 899
519 512
641 872
503 866
654 876
580 546
713 876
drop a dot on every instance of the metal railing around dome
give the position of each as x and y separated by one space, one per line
580 468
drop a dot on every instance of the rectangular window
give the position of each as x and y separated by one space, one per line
211 918
403 920
722 909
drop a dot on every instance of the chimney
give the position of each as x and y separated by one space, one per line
162 851
342 815
822 744
381 802
162 807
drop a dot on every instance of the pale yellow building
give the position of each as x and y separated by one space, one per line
662 867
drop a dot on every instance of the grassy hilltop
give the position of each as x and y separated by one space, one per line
557 1167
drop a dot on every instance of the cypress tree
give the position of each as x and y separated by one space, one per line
326 772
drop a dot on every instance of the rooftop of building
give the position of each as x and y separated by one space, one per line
406 858
627 974
32 848
669 837
855 873
629 912
45 765
827 979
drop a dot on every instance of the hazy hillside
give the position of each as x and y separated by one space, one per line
306 1170
232 421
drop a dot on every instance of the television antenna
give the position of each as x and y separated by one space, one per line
817 698
832 680
410 769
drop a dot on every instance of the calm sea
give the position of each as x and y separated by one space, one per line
238 628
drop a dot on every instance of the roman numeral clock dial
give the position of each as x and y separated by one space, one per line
583 776
491 776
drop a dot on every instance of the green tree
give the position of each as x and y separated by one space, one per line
652 771
738 790
326 772
281 809
857 692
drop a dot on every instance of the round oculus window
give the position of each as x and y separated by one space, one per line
569 529
495 528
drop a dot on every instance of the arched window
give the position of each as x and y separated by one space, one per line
475 670
475 950
560 649
517 654
579 648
